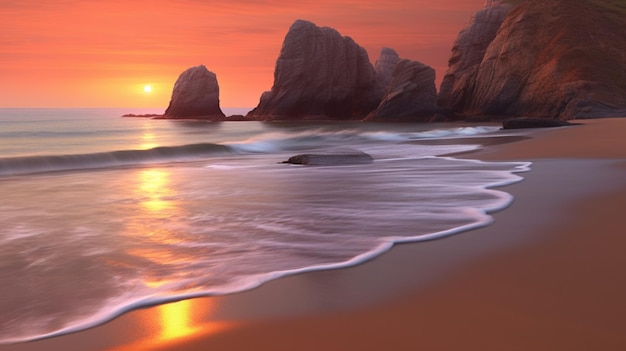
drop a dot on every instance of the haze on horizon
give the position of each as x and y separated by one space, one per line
79 53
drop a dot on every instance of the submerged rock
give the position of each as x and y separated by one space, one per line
237 118
527 122
411 94
333 158
195 95
319 74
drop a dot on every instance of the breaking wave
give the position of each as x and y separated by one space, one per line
55 163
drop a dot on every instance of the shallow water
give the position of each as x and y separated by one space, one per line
103 214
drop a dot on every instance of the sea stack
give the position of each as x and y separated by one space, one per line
410 95
321 75
557 59
195 95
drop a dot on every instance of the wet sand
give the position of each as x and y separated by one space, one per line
546 275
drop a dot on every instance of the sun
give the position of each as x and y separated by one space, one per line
147 88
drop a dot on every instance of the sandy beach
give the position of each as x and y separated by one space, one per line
546 275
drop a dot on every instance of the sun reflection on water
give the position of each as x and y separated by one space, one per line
148 141
185 319
171 325
156 232
154 226
154 186
148 138
176 320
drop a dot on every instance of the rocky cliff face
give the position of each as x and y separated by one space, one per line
468 52
410 95
559 59
195 95
319 74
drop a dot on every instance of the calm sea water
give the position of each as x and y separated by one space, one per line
102 214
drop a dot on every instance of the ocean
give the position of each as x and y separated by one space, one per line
102 214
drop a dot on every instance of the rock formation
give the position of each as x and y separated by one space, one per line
319 74
468 52
195 95
384 66
332 158
410 95
557 59
530 122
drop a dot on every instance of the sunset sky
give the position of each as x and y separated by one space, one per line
73 53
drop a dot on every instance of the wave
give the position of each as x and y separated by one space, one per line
280 141
272 142
447 133
55 163
492 175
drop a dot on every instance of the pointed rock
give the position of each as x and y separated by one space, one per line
384 66
195 95
319 74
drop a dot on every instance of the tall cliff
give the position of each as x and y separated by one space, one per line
195 95
559 59
319 74
468 52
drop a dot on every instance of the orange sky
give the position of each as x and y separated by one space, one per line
73 53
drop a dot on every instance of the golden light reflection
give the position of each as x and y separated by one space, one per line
171 325
184 319
152 225
176 320
148 141
154 187
156 228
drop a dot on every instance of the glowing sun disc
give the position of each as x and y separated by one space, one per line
147 88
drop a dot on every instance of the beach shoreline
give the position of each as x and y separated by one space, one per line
534 279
